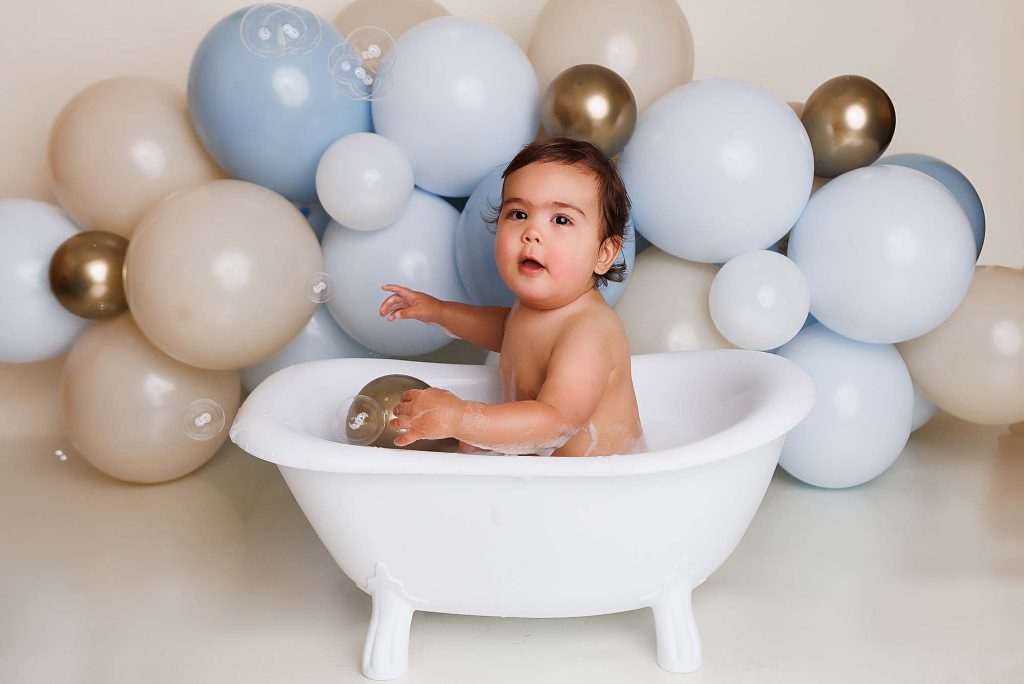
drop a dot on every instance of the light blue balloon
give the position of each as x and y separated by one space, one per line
862 414
416 251
474 249
716 168
887 252
316 216
33 324
642 243
957 183
924 410
269 119
322 338
464 99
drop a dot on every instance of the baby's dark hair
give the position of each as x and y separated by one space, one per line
614 199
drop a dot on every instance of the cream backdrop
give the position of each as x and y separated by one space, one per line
951 68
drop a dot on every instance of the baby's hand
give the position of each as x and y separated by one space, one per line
430 413
406 303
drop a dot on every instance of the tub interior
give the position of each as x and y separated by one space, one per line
683 397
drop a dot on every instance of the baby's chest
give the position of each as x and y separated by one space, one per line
522 375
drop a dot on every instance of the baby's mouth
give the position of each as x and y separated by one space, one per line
530 265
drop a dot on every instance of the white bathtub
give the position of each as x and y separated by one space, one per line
522 536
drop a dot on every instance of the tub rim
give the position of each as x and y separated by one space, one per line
271 437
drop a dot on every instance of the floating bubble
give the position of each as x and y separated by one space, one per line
319 286
203 419
275 30
358 420
363 66
61 455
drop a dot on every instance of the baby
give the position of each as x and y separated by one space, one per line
567 387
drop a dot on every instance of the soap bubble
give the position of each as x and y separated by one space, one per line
319 286
358 65
203 419
275 30
358 420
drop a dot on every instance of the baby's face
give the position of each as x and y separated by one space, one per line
549 228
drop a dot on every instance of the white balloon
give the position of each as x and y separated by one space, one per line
665 305
33 324
887 251
416 251
759 300
716 168
322 338
464 100
862 414
364 181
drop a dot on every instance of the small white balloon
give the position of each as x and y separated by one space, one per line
759 300
364 181
33 324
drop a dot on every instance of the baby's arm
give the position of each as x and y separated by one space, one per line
483 326
577 374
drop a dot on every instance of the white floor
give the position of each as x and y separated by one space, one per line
917 576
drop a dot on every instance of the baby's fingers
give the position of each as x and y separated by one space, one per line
407 438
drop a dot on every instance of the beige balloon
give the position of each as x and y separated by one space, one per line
218 276
120 146
972 365
665 305
647 42
124 405
394 16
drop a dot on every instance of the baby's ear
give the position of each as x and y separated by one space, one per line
607 254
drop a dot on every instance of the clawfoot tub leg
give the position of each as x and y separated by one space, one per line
676 630
386 652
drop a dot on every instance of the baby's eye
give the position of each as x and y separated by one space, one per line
558 219
515 213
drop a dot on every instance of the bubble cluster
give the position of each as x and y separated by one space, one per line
203 419
363 65
275 30
61 455
358 420
319 286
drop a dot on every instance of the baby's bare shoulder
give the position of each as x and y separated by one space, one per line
595 325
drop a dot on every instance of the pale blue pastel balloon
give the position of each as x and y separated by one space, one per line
716 168
33 324
954 180
464 99
316 216
924 410
862 412
642 243
322 338
887 251
416 251
269 119
474 249
474 244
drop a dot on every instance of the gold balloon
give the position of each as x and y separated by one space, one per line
387 392
819 181
593 103
86 274
850 122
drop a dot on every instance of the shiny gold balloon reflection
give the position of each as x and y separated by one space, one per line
973 364
86 274
593 103
850 121
387 391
